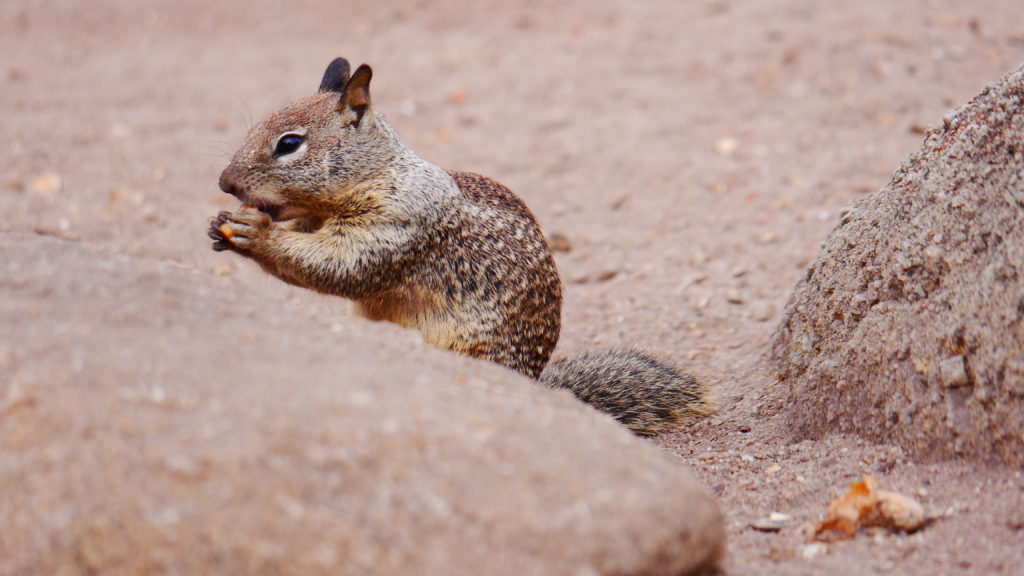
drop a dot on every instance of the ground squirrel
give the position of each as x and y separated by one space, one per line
334 202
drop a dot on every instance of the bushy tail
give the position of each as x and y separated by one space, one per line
647 395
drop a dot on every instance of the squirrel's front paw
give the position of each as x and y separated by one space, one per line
241 231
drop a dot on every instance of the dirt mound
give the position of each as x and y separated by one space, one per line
908 327
156 420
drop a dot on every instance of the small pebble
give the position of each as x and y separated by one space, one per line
457 96
560 242
767 525
734 297
762 311
952 372
726 146
813 550
46 184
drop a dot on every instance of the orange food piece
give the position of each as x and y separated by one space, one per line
863 505
226 230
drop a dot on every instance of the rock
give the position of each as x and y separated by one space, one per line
762 311
734 297
813 550
726 145
909 326
559 242
952 372
767 525
159 420
46 184
773 523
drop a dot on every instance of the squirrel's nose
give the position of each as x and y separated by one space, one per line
227 183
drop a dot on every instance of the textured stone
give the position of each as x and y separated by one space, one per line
953 372
909 327
155 420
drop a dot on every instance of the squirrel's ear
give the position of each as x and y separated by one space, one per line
356 96
336 76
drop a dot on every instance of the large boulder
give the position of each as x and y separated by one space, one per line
155 420
909 327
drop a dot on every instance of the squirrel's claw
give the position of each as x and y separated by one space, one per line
236 231
220 232
215 223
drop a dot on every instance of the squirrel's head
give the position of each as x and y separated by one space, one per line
315 155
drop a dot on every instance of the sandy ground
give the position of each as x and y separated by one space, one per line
694 155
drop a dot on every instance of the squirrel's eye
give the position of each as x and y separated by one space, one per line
287 144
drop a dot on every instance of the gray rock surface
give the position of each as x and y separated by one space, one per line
155 420
909 326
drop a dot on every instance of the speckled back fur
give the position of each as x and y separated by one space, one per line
505 268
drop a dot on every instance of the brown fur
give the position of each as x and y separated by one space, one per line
352 212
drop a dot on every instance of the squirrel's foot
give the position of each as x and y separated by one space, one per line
239 231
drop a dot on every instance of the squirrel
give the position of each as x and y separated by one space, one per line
334 202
